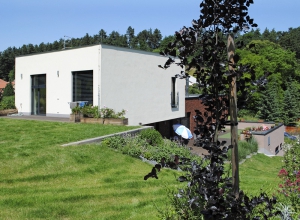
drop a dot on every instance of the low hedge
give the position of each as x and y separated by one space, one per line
7 102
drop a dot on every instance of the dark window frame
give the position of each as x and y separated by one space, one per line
82 86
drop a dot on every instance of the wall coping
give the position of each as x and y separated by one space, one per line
99 139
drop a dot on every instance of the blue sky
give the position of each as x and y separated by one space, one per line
37 21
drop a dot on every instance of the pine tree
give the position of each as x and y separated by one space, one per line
130 37
290 107
269 109
292 102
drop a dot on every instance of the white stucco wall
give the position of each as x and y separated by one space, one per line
123 79
58 88
131 80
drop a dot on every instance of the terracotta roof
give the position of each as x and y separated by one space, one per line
2 84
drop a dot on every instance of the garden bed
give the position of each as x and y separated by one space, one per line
113 121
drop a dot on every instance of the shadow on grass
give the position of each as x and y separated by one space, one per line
39 177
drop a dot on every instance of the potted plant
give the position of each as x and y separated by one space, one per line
76 114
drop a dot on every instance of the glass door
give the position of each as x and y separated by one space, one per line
38 94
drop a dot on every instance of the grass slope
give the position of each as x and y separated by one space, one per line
81 182
39 179
260 172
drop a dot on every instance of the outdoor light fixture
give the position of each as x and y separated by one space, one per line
21 76
57 73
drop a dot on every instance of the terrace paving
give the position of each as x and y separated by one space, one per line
200 151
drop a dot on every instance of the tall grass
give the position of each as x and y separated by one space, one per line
245 148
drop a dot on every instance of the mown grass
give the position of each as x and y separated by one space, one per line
260 173
39 179
228 134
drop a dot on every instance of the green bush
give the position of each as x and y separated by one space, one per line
245 148
253 145
245 112
91 111
7 102
243 151
137 146
152 136
8 90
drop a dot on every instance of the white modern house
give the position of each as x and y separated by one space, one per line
101 75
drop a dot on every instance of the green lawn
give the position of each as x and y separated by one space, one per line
260 172
39 179
228 134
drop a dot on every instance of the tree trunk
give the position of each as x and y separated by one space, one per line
233 119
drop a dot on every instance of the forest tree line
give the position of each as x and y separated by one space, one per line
277 52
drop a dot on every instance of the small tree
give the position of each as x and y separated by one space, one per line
208 46
8 90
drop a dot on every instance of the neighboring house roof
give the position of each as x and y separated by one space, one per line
2 84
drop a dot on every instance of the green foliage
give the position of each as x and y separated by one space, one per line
290 40
290 111
194 89
152 136
269 57
7 102
8 90
110 113
245 148
93 112
11 76
269 104
76 110
290 175
245 113
90 111
139 146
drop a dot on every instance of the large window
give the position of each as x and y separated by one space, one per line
83 86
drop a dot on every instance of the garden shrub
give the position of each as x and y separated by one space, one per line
245 148
290 176
91 111
115 142
137 146
107 112
110 113
8 90
152 136
7 102
253 145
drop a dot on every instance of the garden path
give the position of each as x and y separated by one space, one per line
200 151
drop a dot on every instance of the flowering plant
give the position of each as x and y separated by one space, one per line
110 113
290 176
94 112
